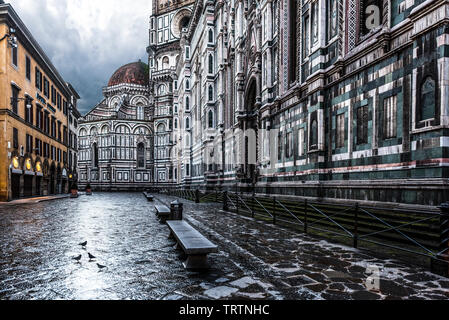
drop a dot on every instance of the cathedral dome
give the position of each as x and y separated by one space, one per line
133 73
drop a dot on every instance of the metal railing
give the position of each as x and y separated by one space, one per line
416 232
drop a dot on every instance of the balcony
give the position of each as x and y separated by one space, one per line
163 75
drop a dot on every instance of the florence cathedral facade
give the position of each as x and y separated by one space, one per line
116 137
342 99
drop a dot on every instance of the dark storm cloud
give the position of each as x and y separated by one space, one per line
88 40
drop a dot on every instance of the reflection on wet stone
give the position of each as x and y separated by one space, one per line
255 260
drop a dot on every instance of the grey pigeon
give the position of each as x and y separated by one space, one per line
91 257
77 258
101 267
83 244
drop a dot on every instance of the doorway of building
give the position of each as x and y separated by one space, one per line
52 186
38 186
27 186
15 186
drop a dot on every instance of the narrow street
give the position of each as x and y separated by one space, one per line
255 261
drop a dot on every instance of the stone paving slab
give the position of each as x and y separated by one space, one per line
255 261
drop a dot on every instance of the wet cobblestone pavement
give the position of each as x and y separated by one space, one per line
255 260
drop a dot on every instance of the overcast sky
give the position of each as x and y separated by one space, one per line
87 40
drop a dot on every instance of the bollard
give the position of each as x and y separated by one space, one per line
440 264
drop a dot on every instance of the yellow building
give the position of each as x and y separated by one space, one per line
34 107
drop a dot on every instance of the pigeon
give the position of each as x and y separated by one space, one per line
91 257
101 267
77 258
83 244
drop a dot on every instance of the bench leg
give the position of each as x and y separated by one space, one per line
163 219
196 262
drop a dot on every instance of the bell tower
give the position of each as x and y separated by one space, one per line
169 20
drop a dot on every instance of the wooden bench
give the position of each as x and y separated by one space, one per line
162 212
148 196
194 244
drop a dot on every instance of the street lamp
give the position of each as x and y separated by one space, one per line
12 39
28 100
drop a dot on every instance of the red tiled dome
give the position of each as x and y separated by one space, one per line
134 73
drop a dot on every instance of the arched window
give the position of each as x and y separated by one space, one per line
93 131
314 134
187 104
122 129
293 42
105 130
211 119
176 123
211 64
211 93
83 132
188 84
211 36
427 99
161 128
165 63
141 155
161 89
140 112
187 123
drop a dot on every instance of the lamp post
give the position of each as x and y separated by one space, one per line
12 39
27 99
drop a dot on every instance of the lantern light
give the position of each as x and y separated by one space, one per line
15 163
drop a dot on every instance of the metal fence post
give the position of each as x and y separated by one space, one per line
356 225
440 264
252 207
237 203
305 217
197 196
225 201
274 210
